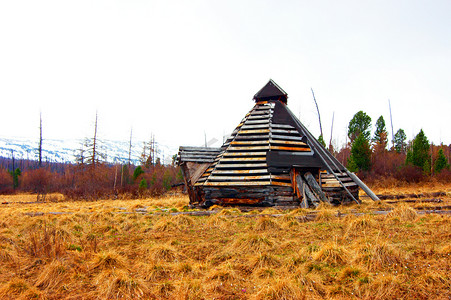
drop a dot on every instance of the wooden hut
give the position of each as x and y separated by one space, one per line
270 159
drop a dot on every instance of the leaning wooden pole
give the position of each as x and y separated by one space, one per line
362 186
333 159
324 152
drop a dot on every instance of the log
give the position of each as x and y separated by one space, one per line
363 186
315 187
300 186
309 194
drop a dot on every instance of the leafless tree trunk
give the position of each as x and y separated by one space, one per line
331 130
94 142
319 116
40 140
130 148
391 122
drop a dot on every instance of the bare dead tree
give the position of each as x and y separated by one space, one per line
96 154
331 130
391 122
130 148
94 144
319 116
40 140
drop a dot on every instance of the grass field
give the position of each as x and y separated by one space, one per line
143 248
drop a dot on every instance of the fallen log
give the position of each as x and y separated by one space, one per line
403 196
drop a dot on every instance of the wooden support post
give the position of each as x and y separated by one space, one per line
315 187
309 194
188 184
301 191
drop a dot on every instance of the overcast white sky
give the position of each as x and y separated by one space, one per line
178 69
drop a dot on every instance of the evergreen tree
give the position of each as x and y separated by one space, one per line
142 184
400 141
360 159
380 135
138 171
167 179
321 141
420 151
15 174
359 124
441 162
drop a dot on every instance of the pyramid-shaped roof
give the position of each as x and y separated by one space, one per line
265 146
262 159
271 91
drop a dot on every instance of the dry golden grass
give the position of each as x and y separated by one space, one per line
106 250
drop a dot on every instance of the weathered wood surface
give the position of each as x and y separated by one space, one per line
249 165
311 198
301 192
291 143
315 187
303 149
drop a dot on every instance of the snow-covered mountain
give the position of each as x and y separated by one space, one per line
66 150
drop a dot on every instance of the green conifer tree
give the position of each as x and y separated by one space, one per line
420 150
441 162
400 141
360 123
360 159
321 141
380 135
138 171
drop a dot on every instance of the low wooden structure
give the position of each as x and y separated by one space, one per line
270 159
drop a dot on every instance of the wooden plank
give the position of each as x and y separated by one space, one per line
282 126
334 185
244 159
250 142
291 148
255 165
246 183
239 178
251 137
263 117
273 141
249 122
288 184
239 183
284 131
198 160
188 156
287 137
255 126
257 171
249 177
233 148
332 176
266 112
253 131
261 153
198 149
336 181
314 186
